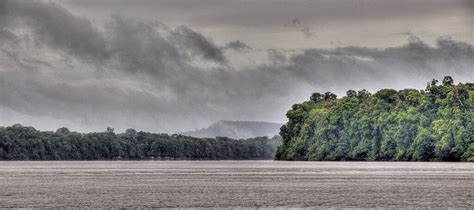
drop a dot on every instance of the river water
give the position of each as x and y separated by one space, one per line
169 184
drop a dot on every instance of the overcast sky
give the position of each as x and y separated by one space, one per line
176 65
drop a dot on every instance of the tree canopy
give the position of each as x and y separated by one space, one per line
18 142
435 124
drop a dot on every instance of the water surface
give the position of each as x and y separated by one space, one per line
235 184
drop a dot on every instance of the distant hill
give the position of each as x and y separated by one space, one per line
237 130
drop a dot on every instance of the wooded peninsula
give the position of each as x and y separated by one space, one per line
435 124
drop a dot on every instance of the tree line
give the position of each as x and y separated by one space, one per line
19 142
434 124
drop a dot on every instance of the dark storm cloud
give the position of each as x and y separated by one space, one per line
57 27
145 74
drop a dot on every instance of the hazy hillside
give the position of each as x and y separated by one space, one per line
237 129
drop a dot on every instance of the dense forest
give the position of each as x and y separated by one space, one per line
18 142
435 124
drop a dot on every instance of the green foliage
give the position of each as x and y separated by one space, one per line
25 143
435 124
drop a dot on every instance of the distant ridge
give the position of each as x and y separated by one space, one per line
237 129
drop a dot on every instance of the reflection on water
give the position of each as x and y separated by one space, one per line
235 184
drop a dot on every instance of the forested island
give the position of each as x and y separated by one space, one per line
435 124
19 142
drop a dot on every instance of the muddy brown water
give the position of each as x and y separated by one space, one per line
169 184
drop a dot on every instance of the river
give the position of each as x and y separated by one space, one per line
236 184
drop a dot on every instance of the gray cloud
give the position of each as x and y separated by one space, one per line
237 45
197 43
147 75
307 32
295 21
265 23
139 47
277 56
305 29
266 13
57 27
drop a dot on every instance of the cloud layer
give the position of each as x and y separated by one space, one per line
59 69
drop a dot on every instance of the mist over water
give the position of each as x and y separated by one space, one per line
97 184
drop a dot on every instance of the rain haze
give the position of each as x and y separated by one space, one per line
178 65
